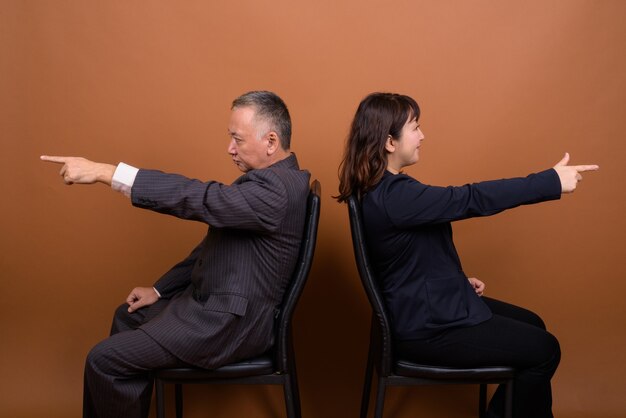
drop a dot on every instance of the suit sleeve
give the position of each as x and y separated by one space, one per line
257 202
410 203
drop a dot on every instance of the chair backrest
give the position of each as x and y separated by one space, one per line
381 337
283 344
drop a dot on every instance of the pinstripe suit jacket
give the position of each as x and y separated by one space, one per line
223 296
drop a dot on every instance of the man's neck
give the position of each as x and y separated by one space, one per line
279 156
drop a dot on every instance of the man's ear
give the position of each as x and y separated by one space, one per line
389 145
273 142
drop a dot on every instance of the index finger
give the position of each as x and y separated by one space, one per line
53 159
583 168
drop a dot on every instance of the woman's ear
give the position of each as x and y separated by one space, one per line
389 146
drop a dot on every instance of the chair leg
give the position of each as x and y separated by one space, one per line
290 401
508 400
160 398
296 393
290 386
178 389
296 396
367 385
293 375
380 397
482 400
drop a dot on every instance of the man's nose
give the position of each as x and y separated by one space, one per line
231 147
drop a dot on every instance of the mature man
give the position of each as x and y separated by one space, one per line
217 305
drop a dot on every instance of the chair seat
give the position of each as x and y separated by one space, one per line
258 366
408 369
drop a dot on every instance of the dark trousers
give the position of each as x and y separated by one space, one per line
118 380
512 337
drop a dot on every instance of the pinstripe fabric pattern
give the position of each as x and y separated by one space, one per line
117 375
218 304
239 272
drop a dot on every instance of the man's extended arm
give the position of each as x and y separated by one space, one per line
82 171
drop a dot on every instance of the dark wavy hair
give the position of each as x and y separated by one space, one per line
270 108
365 158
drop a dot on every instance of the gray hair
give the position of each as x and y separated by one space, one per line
270 108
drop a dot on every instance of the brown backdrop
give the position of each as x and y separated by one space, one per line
506 87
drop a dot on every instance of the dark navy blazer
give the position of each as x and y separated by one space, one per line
409 237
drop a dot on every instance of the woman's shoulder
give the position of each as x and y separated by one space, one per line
392 189
392 184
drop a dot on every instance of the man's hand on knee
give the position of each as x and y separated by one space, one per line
140 297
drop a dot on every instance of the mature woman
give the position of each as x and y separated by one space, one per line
438 314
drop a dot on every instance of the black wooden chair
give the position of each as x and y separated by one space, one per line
276 367
398 372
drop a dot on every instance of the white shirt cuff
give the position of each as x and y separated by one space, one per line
124 178
157 292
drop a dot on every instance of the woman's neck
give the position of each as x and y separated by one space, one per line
392 169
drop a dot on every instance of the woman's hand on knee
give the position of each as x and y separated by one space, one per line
479 287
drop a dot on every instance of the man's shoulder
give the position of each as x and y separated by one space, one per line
285 171
293 182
